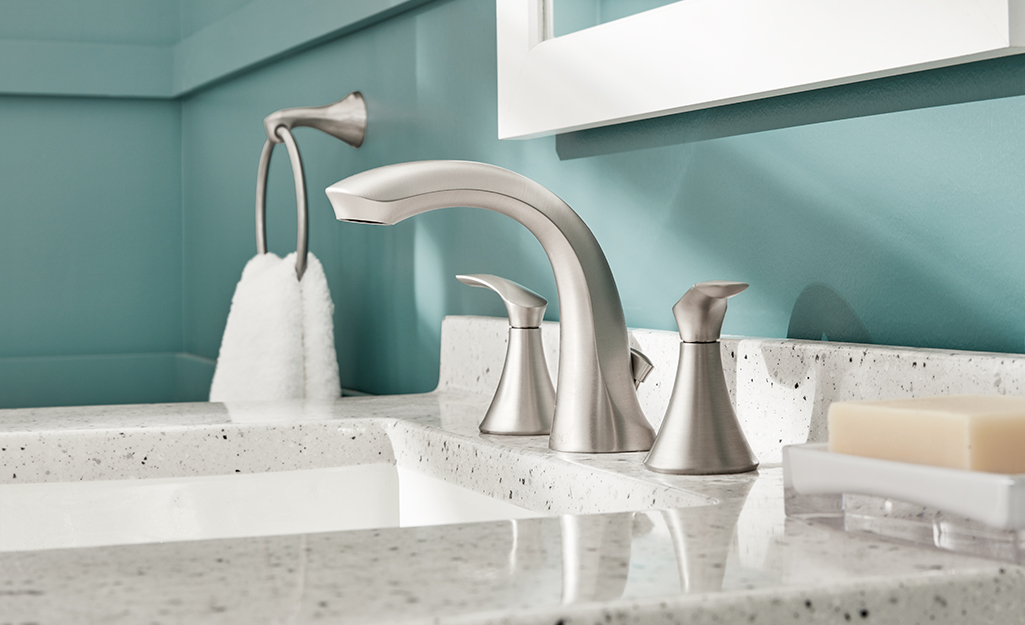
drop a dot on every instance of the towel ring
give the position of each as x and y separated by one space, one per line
302 241
345 120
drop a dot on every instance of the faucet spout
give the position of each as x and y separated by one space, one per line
596 407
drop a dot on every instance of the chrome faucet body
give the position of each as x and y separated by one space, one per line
596 403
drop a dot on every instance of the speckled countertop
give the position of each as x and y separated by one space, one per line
623 545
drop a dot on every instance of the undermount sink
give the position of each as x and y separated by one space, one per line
381 473
120 512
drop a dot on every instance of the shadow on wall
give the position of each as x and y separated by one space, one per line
971 82
820 313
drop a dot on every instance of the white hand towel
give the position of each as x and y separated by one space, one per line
320 363
279 339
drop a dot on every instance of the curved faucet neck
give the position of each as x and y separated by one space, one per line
596 403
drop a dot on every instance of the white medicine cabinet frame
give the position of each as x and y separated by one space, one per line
699 54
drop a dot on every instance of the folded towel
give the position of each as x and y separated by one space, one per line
279 339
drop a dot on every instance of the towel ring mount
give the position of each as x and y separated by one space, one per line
345 120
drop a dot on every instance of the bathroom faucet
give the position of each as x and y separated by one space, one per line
596 407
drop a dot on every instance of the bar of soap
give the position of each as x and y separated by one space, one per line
973 432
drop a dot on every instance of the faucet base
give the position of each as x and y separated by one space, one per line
609 432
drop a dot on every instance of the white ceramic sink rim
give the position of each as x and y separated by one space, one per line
120 512
401 475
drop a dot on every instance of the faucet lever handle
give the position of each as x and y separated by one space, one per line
524 402
526 308
700 312
700 433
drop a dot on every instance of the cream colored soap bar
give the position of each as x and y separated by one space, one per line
979 433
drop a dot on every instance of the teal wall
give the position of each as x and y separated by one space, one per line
198 14
886 212
900 226
91 182
90 249
102 21
90 207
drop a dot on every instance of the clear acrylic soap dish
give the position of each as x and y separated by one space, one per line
970 512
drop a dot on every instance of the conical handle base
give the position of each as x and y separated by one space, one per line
700 434
524 403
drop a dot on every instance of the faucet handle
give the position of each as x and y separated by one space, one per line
700 433
524 402
700 312
526 308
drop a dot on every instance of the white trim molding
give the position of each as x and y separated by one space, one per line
699 54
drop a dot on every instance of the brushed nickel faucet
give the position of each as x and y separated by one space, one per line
596 407
700 434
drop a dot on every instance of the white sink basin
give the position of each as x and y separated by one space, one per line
120 512
135 482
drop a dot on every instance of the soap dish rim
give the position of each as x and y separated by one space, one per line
996 499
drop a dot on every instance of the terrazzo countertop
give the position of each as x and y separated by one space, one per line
617 544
